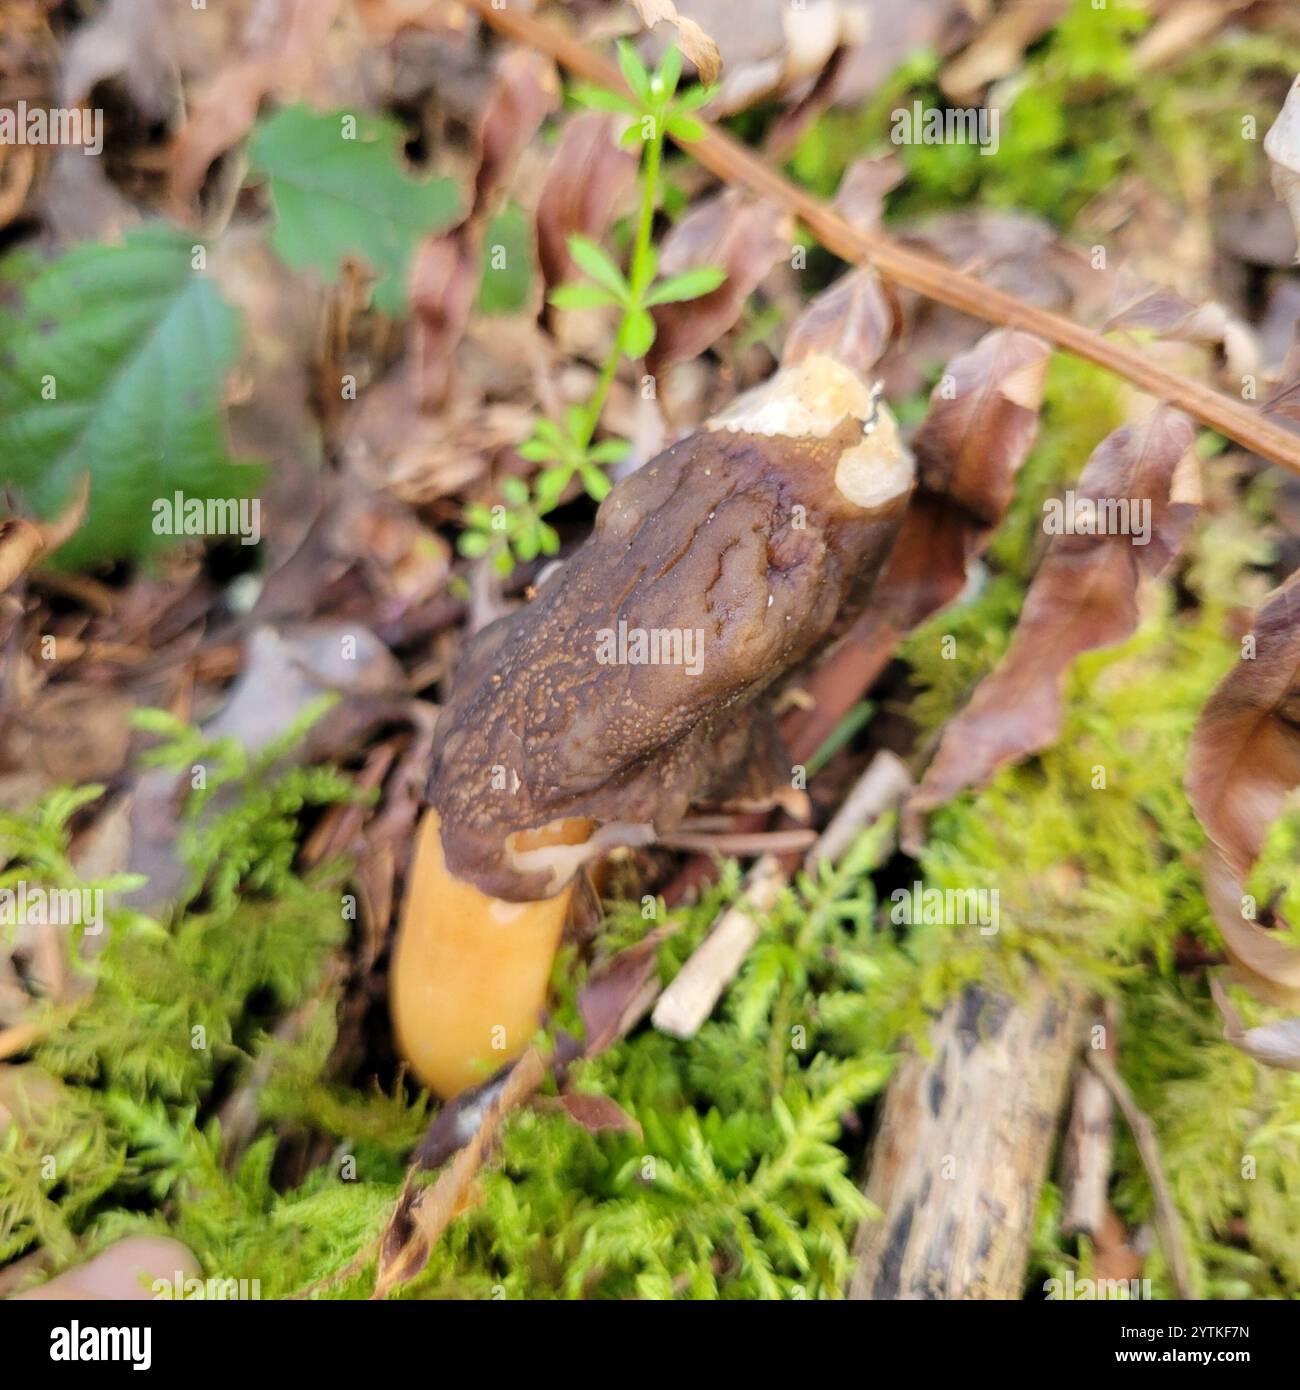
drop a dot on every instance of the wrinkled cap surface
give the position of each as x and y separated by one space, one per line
631 686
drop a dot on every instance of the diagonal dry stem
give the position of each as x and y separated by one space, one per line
734 163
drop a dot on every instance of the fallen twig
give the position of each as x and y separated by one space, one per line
1144 1135
734 163
695 990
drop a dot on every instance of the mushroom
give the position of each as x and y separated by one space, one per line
632 688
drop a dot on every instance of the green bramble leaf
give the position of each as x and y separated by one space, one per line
690 284
588 257
336 197
112 364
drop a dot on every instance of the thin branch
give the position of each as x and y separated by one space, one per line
734 163
1144 1135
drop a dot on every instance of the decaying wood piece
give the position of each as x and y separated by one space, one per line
964 1146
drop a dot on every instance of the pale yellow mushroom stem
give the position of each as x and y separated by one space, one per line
470 972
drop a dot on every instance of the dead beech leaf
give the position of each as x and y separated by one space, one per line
982 422
24 542
1282 146
742 236
584 186
852 321
1243 765
1284 398
1273 1044
1084 596
691 38
525 90
443 286
860 198
1245 754
613 995
999 48
1138 303
593 1113
224 112
422 1214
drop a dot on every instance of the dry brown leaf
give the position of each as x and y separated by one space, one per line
1138 303
691 38
226 109
422 1214
1273 1044
999 48
1282 146
1245 753
584 186
852 321
23 542
1243 765
1284 398
593 1113
981 424
861 195
1084 596
525 90
443 287
742 236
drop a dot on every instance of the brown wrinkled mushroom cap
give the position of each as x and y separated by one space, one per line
738 539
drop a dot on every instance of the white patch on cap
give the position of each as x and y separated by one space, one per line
811 400
880 468
806 401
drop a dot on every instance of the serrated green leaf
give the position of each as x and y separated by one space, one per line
690 284
337 197
588 257
135 347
